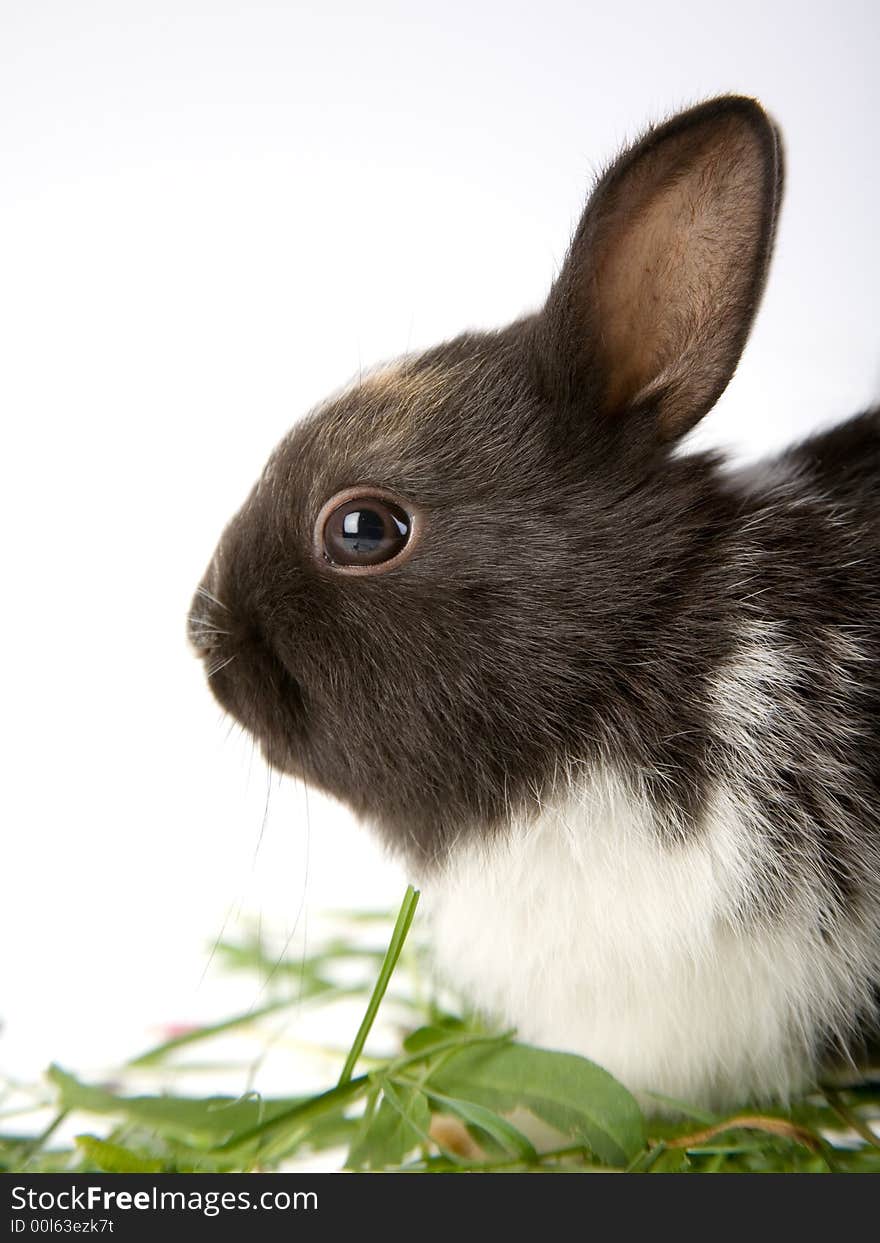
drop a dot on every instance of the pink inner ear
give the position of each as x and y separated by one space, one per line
679 244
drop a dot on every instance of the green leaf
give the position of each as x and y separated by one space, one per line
334 1131
505 1134
301 1117
114 1159
398 1126
426 1037
571 1094
208 1120
679 1110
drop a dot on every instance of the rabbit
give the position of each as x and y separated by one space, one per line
616 705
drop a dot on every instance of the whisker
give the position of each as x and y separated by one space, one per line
265 816
223 663
203 591
302 910
205 623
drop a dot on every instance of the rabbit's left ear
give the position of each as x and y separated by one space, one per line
659 289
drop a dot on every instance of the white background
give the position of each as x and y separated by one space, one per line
211 215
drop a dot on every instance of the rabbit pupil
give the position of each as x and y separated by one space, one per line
363 530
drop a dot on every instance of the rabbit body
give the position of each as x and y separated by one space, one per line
736 960
617 707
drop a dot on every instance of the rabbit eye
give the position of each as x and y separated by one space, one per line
363 531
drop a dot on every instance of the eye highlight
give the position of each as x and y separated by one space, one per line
364 529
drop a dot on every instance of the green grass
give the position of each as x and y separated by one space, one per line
441 1101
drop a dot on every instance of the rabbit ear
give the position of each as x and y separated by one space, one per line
659 289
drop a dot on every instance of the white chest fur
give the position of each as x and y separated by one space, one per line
587 932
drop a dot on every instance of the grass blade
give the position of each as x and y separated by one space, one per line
389 962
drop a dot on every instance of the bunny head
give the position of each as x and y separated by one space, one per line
445 588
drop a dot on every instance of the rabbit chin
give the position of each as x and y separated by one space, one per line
588 932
